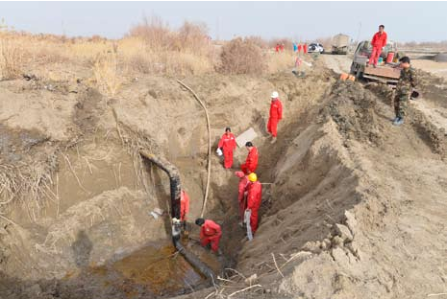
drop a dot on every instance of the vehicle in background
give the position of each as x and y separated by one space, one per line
340 44
315 48
385 71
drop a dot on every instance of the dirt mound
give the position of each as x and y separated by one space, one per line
353 109
353 206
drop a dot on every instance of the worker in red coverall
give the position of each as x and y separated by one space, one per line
275 115
305 48
242 196
251 162
184 206
277 48
210 233
227 144
254 197
378 42
299 47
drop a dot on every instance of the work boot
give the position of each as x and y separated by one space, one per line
273 140
219 252
374 66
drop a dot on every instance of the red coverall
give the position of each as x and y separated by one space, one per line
275 116
184 205
251 163
210 233
305 48
299 48
378 41
254 202
277 48
228 144
243 183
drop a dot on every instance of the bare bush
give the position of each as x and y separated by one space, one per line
242 57
11 58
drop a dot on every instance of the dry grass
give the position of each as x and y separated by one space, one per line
278 62
242 56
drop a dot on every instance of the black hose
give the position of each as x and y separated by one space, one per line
174 180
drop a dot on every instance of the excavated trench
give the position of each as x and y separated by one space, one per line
86 229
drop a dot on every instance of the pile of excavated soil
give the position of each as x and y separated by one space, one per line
357 209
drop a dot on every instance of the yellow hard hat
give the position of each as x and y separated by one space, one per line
252 177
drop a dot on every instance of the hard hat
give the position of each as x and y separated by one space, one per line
275 95
252 177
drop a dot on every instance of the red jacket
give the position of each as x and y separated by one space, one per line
251 163
276 109
210 229
254 195
227 142
379 40
243 183
184 204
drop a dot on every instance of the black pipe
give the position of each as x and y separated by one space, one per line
174 180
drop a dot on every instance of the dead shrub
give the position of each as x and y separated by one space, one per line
242 57
11 59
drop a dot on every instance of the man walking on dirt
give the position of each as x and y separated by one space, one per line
251 162
407 81
275 115
210 233
378 41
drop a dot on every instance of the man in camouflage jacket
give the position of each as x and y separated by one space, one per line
404 88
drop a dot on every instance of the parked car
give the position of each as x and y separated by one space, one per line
315 48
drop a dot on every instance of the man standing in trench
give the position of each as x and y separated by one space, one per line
274 116
242 194
379 41
254 198
251 162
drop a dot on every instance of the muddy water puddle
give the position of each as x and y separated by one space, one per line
153 271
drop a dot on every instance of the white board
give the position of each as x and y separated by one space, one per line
246 136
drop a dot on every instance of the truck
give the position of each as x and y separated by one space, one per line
340 44
384 72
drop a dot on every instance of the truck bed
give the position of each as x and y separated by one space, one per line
382 73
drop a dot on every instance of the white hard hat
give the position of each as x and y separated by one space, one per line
275 95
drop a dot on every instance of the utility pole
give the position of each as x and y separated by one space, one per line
360 29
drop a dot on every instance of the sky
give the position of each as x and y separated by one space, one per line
404 21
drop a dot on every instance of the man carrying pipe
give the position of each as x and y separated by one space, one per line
251 162
210 233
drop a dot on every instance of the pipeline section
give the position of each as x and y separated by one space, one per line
175 188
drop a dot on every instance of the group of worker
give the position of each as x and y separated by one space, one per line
408 78
249 188
297 47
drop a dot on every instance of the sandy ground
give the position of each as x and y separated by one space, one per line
356 207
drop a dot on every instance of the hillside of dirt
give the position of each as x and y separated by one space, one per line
352 207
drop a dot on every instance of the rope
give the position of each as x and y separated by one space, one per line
209 145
